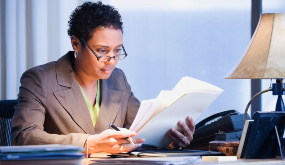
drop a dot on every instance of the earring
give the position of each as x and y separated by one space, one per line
75 54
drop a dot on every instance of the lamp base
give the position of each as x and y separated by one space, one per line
278 89
280 104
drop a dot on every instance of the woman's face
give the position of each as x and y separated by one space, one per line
107 40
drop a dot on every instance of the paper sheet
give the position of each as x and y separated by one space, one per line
144 107
190 97
155 107
191 104
188 84
169 97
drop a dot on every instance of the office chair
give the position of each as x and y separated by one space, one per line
6 113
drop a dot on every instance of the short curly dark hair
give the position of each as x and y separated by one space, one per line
89 16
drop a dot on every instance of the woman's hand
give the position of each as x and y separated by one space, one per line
183 138
111 141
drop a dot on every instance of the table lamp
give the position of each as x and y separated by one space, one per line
264 57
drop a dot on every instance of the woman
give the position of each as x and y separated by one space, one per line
73 100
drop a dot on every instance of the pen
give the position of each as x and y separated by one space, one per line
117 129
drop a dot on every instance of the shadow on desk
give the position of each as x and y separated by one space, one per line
44 162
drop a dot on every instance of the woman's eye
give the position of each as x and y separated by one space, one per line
118 50
103 51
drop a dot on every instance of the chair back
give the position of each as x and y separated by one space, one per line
6 113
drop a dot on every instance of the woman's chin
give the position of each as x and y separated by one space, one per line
105 75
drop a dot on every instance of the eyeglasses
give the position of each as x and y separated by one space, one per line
102 58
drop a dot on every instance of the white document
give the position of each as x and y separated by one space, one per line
190 97
147 110
151 160
168 97
144 107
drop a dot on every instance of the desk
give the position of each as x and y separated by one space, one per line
91 161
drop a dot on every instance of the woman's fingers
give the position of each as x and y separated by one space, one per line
186 132
183 138
138 140
118 134
176 136
119 148
185 128
191 124
121 136
172 135
118 140
128 147
125 146
114 141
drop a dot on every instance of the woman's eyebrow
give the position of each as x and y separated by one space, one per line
107 46
102 46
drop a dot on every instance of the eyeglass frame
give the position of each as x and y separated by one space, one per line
98 57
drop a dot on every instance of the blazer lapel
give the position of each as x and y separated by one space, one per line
110 105
70 97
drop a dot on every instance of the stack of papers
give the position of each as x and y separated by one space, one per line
190 97
36 152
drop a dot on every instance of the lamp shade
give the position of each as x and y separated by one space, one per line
264 57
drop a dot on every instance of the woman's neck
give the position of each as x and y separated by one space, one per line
85 80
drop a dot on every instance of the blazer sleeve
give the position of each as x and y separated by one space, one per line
133 105
28 120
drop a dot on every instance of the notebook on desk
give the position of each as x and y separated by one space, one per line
174 153
152 152
151 160
41 152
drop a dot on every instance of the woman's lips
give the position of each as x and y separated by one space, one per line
107 70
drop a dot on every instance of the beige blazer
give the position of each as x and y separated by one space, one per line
51 108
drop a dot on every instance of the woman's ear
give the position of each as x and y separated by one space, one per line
75 43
